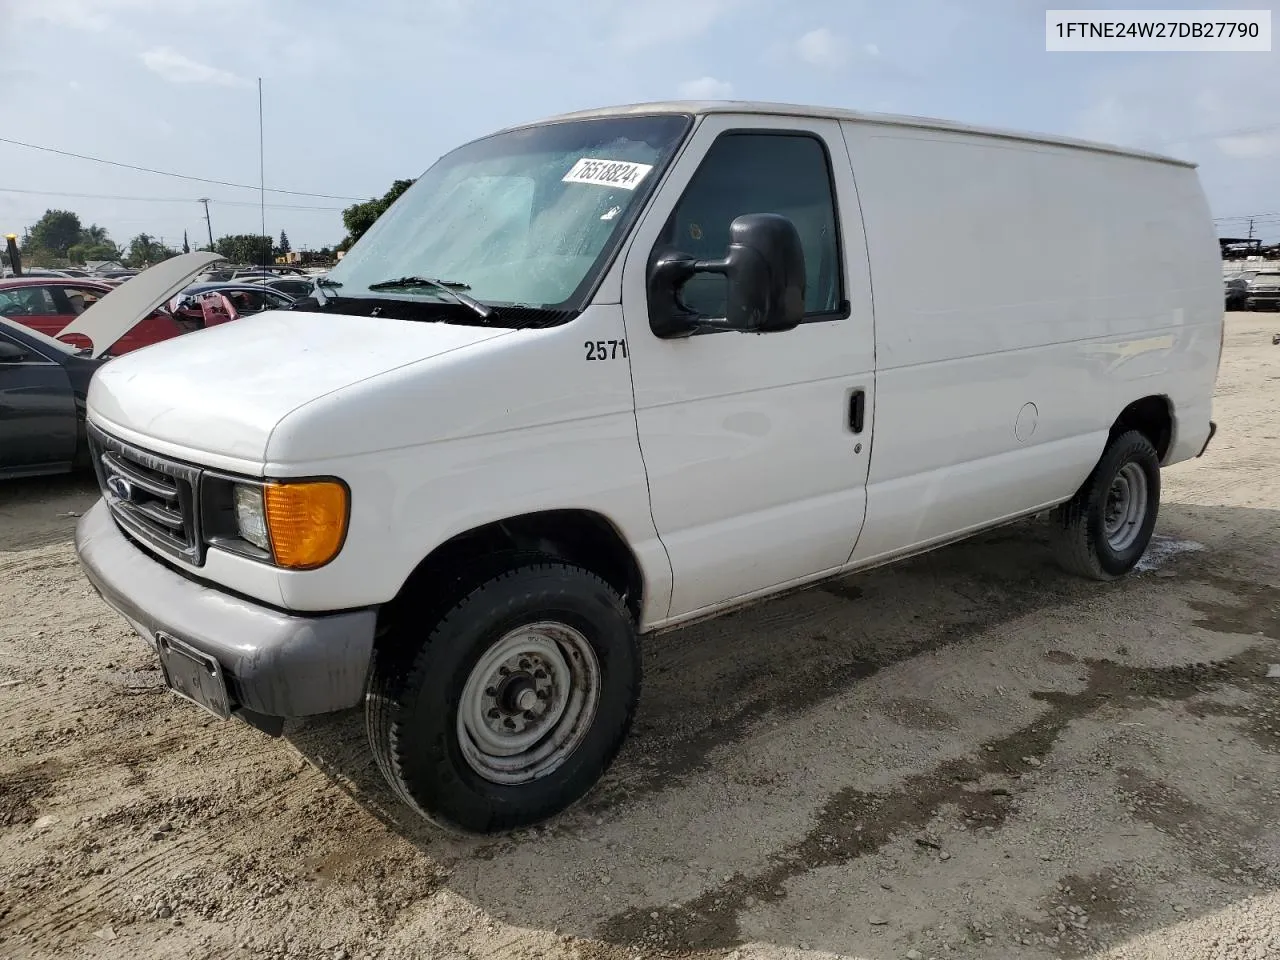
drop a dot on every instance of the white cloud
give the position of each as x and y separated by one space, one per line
823 48
871 49
657 22
706 88
1251 147
96 15
179 68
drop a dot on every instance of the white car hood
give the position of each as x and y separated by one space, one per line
222 391
116 314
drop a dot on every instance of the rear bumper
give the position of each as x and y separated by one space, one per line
277 664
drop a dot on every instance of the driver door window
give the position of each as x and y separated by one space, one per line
743 173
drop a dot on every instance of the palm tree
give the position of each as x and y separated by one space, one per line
94 235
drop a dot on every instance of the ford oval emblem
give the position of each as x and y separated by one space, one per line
121 487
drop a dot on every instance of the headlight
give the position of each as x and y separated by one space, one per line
306 521
299 525
251 518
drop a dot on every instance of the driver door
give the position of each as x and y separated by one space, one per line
37 411
756 445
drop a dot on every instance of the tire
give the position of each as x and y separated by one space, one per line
1104 529
437 707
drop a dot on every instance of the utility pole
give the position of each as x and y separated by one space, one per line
208 222
1251 228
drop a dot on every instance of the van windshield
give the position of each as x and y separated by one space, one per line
527 218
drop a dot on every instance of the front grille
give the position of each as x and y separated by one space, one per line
151 497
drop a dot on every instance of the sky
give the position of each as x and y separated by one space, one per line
357 95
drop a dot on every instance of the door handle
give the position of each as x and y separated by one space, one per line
857 410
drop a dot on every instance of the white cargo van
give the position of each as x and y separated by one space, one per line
619 370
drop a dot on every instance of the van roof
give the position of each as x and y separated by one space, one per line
702 107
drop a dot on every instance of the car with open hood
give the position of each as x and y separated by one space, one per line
54 307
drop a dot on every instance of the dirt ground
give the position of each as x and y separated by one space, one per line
967 755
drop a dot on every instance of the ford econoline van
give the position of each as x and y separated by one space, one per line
616 371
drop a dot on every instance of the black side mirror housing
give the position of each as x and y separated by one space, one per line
764 267
11 352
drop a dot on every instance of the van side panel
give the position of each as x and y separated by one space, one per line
1025 293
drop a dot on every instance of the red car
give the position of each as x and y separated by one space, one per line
49 304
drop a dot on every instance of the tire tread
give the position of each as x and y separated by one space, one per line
392 675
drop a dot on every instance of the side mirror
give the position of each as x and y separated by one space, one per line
11 352
764 267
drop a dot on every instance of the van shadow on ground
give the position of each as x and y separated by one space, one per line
721 773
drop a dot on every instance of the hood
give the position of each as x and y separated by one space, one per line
223 390
120 310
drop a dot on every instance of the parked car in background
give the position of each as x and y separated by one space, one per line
296 287
204 304
50 304
49 272
1235 289
1263 290
43 386
271 270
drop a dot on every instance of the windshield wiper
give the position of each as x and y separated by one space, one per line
452 287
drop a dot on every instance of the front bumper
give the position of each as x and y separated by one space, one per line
277 664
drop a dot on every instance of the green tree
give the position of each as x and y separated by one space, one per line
359 217
284 244
246 248
145 251
86 250
55 232
94 235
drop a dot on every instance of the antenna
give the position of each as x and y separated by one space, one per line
262 182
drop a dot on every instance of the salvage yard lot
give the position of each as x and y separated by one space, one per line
970 754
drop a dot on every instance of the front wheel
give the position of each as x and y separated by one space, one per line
514 703
1103 530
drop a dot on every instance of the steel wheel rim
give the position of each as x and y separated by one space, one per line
1126 507
528 703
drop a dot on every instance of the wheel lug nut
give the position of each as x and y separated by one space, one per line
524 664
544 694
490 691
493 714
528 715
504 671
540 674
509 723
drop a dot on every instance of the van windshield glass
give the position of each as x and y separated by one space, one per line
526 218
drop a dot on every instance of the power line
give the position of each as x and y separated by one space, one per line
180 176
1244 131
109 196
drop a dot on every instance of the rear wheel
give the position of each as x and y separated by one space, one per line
1103 531
512 705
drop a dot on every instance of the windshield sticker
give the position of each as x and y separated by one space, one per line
608 173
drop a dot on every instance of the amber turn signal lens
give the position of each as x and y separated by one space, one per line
307 522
